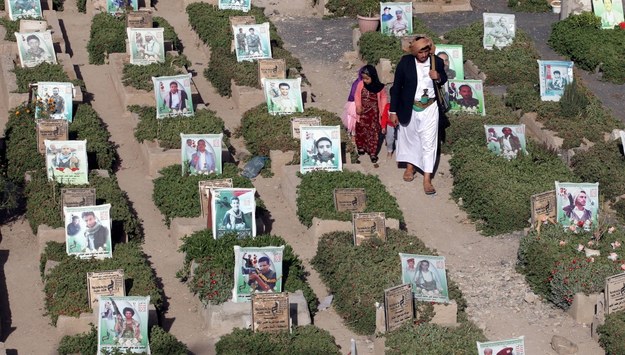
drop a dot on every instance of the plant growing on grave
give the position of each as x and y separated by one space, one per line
580 36
351 8
315 196
169 33
81 5
430 338
602 163
263 132
612 333
510 183
502 66
556 269
167 130
303 340
42 72
529 5
87 125
43 204
65 286
10 26
108 35
358 276
140 76
178 196
573 101
524 96
212 280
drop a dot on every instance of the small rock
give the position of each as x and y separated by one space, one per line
325 303
563 346
530 297
591 252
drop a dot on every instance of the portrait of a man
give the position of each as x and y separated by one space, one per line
252 41
557 83
96 235
146 45
283 96
123 324
233 211
320 148
173 96
24 8
201 153
88 231
577 205
35 48
257 270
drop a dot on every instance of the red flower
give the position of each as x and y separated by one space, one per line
580 224
213 282
74 169
622 25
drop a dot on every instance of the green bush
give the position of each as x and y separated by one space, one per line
315 196
213 27
573 100
612 333
43 204
169 33
212 280
304 340
524 96
502 66
42 72
81 5
578 36
161 342
434 339
140 76
358 276
505 205
108 35
619 207
602 163
65 286
557 272
10 26
178 196
87 125
167 130
529 5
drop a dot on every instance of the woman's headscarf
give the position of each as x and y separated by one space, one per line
376 86
352 93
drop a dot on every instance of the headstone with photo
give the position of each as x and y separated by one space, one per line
271 69
134 331
369 225
88 231
35 48
499 30
233 211
201 154
18 9
147 45
554 75
270 312
206 188
350 200
66 161
396 18
173 96
257 270
615 293
52 130
320 148
252 41
283 96
577 205
543 206
427 276
104 283
507 141
398 306
297 122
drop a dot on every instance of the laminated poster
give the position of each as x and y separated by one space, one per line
123 324
283 96
396 18
499 30
201 153
320 148
257 270
427 275
35 48
506 141
234 211
88 231
54 101
173 96
466 96
66 162
252 41
554 75
577 205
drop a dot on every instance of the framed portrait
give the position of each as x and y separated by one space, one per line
499 30
283 96
146 45
506 141
451 54
88 231
256 270
554 75
320 148
577 205
123 324
242 5
396 18
173 96
104 283
427 276
54 101
24 8
514 346
66 162
252 41
52 130
609 11
234 211
119 6
35 48
201 153
466 96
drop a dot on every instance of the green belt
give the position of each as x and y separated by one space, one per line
420 106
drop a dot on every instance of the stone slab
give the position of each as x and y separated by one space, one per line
157 158
245 97
583 307
67 325
454 5
537 131
446 314
180 227
280 159
9 81
222 319
289 183
57 33
127 94
47 234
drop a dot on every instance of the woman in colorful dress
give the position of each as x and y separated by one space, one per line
370 99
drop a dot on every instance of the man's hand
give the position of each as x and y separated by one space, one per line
383 130
393 118
434 75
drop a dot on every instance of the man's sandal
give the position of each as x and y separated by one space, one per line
408 175
429 190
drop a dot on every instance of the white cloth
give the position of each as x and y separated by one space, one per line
175 100
417 141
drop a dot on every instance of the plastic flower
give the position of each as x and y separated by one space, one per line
613 256
562 243
580 247
616 244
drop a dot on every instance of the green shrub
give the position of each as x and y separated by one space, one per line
81 5
65 286
169 33
358 276
524 96
304 340
529 5
573 101
212 280
602 163
557 272
351 8
434 339
87 125
505 205
619 207
315 196
213 27
502 66
161 342
43 204
10 26
42 72
140 76
167 130
178 196
108 35
612 333
578 36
